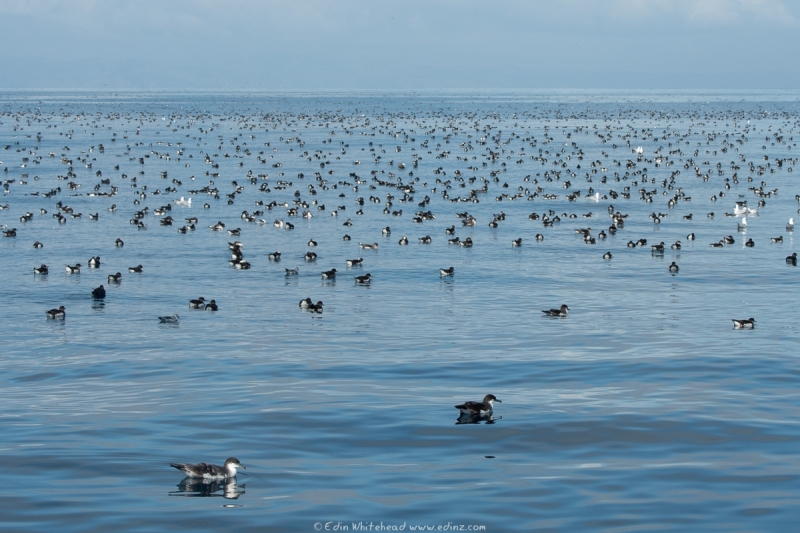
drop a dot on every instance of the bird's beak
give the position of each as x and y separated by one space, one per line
498 401
242 466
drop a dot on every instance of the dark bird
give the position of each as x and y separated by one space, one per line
99 293
557 312
745 323
209 471
57 313
479 408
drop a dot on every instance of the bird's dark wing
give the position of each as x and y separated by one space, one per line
472 406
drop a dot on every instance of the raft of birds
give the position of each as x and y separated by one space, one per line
415 166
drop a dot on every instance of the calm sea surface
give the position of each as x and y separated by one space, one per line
644 409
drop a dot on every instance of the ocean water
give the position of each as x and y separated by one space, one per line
643 409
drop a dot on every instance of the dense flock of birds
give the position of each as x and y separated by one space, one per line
421 167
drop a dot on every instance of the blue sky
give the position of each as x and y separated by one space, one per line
399 44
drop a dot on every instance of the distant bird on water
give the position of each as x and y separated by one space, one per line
57 313
174 319
209 471
562 311
745 323
479 408
99 293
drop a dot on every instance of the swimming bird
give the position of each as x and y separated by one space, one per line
304 303
57 313
674 267
479 408
292 271
329 274
607 256
174 319
354 262
74 269
212 306
138 269
119 243
447 271
790 225
198 303
275 256
373 246
94 262
99 292
777 240
749 243
365 279
41 269
516 242
315 308
745 323
38 245
791 260
209 471
557 312
115 278
742 226
690 237
403 241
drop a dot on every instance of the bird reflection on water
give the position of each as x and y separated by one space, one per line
198 487
472 418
